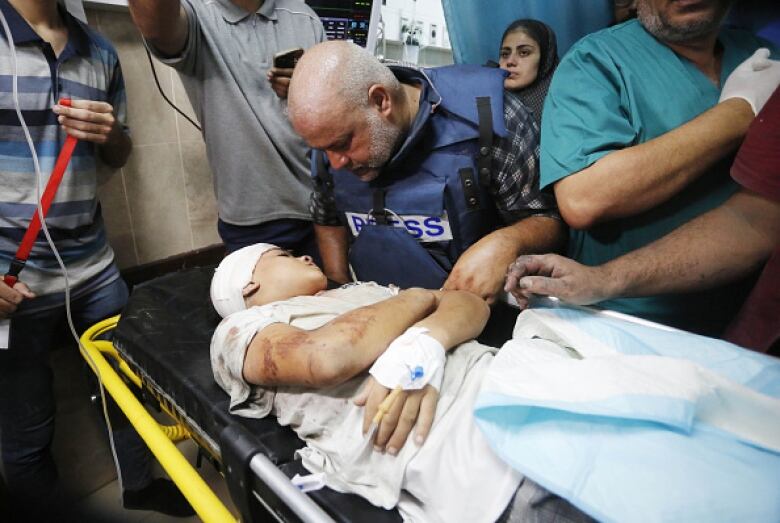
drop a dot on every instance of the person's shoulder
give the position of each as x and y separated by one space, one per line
99 41
612 49
608 38
608 51
295 8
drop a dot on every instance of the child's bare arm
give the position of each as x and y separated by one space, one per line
281 354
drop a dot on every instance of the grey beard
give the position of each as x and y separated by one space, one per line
666 32
384 140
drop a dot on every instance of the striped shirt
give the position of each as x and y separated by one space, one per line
87 68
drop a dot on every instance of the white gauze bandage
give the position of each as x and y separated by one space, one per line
232 275
412 361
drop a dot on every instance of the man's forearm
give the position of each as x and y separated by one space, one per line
632 180
459 316
717 247
482 268
534 234
333 243
162 22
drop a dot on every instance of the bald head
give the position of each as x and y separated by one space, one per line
335 75
347 104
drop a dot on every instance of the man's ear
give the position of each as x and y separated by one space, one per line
379 99
249 289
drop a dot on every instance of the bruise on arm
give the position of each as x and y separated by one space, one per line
281 354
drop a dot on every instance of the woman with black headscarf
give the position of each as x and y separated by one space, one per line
529 53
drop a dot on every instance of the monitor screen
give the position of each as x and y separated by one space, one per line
354 20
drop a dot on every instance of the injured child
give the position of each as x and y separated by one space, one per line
291 348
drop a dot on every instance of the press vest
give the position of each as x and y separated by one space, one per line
431 201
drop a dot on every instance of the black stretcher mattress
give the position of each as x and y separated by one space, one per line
164 334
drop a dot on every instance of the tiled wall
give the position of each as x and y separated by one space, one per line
161 203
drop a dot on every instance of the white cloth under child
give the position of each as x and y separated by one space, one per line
453 476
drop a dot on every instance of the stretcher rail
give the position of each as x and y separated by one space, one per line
203 500
160 439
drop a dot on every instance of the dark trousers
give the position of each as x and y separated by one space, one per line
27 407
296 236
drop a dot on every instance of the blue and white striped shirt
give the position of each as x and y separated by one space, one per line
87 68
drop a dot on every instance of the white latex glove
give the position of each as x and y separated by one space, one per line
412 361
754 80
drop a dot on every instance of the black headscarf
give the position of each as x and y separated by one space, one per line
533 95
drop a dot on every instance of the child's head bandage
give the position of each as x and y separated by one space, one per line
232 275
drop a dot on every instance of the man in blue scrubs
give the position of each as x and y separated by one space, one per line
628 147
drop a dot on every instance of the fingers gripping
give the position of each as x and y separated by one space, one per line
86 119
10 298
530 265
91 106
89 126
541 285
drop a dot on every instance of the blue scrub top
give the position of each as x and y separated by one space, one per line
621 87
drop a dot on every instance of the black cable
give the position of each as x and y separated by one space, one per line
159 87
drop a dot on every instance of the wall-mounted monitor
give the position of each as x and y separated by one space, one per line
354 20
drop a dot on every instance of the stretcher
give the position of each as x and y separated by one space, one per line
158 353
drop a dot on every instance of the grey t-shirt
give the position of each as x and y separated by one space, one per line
259 164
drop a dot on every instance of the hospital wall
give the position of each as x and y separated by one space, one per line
161 203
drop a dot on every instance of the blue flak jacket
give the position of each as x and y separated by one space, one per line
434 190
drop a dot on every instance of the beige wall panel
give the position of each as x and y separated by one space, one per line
158 206
200 194
162 202
151 120
187 132
116 215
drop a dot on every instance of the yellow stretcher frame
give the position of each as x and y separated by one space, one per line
159 438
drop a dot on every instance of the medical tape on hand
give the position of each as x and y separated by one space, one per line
411 361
